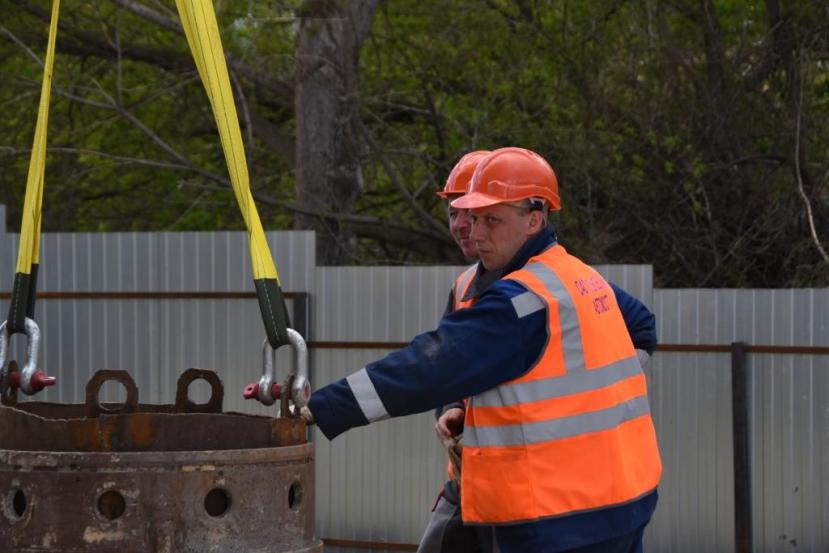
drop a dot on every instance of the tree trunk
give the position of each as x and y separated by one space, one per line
331 34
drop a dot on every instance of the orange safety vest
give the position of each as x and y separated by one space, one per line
462 283
575 432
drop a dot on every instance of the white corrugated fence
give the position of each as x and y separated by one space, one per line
378 483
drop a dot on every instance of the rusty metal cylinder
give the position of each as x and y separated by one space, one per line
156 478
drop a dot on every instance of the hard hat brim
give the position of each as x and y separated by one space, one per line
474 200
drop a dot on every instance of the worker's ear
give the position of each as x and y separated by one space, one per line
536 221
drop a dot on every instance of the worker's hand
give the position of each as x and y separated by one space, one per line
306 415
450 424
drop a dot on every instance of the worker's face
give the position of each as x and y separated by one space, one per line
460 227
500 230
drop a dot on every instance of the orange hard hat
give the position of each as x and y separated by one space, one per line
509 175
458 181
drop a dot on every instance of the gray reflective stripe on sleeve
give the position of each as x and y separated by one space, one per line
363 389
567 316
558 386
556 429
527 304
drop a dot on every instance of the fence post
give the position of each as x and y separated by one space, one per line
301 313
301 322
742 462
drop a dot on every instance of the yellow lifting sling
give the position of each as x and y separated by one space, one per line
22 305
201 29
199 21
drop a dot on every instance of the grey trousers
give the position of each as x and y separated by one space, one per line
446 532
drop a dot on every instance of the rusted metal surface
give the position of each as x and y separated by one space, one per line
158 478
93 387
217 392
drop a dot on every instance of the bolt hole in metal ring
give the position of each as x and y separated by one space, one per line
15 504
217 502
198 383
93 389
295 496
111 504
112 395
198 389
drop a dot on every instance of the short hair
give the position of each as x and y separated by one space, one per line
533 204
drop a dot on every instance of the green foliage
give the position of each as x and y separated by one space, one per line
672 131
105 172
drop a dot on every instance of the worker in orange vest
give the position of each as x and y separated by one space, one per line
456 185
445 532
560 450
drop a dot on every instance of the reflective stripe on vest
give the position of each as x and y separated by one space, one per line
462 283
574 433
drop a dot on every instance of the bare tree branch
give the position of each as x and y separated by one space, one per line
423 241
142 127
800 187
126 160
91 43
279 141
20 43
245 111
115 106
149 14
119 82
404 193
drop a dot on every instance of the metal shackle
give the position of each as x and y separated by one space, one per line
30 368
301 387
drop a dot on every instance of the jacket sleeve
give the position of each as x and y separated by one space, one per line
471 351
640 322
450 302
450 306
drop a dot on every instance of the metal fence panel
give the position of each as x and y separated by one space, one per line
154 339
388 304
382 304
690 400
636 280
789 420
378 483
790 436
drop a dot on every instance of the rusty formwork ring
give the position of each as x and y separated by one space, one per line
157 478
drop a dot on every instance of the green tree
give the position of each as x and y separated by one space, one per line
691 134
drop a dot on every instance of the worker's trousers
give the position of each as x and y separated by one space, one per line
446 533
628 543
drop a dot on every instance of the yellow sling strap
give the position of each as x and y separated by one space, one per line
28 255
199 21
22 306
